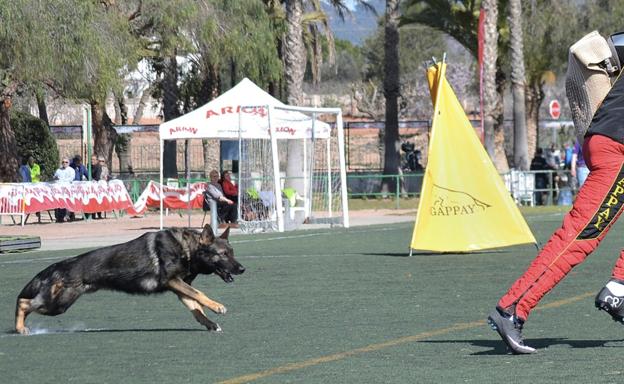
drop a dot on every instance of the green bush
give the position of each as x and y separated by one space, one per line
34 139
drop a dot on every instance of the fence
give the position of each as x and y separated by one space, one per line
558 190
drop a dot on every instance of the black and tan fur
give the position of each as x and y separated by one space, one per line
156 262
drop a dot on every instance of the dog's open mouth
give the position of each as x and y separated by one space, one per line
226 276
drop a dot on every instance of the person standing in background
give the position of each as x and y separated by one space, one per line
579 169
64 174
35 170
24 171
96 173
35 177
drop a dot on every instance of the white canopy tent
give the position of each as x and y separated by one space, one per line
248 112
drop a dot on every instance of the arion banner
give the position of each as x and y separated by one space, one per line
78 196
464 204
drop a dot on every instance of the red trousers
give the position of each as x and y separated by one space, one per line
596 208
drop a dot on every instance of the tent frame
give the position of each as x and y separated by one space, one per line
273 137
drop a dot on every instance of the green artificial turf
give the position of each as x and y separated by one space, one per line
325 306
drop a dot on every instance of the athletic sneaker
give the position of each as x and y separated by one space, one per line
611 300
509 327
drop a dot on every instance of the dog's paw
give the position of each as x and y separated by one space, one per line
24 331
220 309
213 327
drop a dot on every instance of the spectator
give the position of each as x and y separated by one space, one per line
579 168
568 151
96 174
229 189
35 176
96 168
24 171
64 174
539 163
227 209
80 171
35 170
105 174
553 157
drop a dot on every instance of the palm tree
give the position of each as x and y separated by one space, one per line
295 60
492 108
459 19
518 85
391 92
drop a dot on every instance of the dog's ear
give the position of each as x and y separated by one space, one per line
207 235
225 234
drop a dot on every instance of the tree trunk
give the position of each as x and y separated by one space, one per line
391 92
170 111
295 62
123 145
518 86
534 98
41 106
490 54
104 135
492 99
210 90
8 146
138 114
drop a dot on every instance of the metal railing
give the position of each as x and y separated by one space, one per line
558 190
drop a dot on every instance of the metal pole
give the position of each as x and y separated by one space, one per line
276 173
161 197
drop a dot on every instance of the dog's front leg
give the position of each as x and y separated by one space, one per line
180 287
198 313
22 309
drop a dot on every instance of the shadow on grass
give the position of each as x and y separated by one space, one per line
423 253
41 332
497 347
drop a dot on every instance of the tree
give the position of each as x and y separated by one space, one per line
33 138
392 143
518 85
459 19
68 46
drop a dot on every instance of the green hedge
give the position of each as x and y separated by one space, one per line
34 139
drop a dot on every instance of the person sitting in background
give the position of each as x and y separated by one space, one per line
64 174
24 171
105 174
80 171
227 209
229 189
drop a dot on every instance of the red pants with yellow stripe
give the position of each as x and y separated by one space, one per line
596 208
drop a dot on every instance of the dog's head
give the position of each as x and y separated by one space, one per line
215 255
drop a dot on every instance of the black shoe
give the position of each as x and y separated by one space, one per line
611 300
509 327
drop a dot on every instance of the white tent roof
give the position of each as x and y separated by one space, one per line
246 105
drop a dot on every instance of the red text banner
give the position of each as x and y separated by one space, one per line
78 196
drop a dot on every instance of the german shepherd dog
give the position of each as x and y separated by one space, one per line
168 260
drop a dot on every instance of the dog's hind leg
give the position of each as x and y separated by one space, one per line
22 309
198 313
180 287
